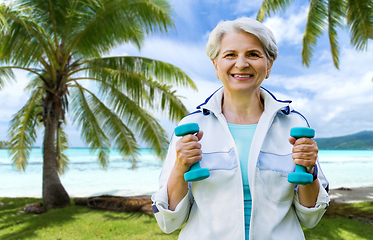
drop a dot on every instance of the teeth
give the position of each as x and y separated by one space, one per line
241 76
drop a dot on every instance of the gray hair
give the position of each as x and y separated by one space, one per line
248 25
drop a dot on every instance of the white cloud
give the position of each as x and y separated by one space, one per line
12 97
336 102
289 29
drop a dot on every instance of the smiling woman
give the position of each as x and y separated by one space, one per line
244 143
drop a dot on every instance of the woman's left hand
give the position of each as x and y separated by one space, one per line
305 152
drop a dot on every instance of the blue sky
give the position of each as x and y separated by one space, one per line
336 102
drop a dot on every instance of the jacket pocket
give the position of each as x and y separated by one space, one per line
275 162
219 160
273 173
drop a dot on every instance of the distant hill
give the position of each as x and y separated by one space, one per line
361 140
3 144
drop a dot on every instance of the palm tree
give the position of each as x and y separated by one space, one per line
61 43
354 15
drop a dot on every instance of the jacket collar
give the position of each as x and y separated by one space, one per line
271 103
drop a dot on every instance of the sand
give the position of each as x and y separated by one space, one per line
351 195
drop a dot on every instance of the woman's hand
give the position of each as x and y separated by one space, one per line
305 152
188 151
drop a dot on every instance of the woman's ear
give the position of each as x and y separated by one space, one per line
269 67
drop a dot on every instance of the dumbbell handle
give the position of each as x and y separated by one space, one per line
300 175
195 173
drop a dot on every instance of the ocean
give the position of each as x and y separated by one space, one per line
84 178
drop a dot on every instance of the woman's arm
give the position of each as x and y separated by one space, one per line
171 203
307 194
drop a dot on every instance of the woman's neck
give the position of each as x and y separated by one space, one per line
242 109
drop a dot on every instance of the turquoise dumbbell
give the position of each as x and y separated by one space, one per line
195 173
300 176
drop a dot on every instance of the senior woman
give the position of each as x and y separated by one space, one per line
244 142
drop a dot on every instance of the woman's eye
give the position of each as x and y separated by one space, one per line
253 55
229 55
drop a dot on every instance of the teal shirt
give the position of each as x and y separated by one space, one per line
243 136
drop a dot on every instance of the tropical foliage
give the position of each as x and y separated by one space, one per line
328 15
61 44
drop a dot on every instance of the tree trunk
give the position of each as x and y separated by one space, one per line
54 194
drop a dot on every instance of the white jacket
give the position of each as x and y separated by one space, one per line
214 207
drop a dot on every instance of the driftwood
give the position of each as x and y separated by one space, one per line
116 203
33 208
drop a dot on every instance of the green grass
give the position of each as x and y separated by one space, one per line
80 222
75 222
344 221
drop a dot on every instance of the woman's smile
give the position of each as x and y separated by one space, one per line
241 77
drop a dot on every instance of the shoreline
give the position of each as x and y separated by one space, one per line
339 195
351 195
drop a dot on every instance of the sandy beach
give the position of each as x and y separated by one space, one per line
351 195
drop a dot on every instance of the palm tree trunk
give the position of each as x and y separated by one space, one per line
54 194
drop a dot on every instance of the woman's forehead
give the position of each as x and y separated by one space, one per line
240 40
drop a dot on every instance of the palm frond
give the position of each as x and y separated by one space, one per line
3 23
22 132
25 41
164 72
132 83
149 68
145 126
315 26
6 75
116 130
360 22
52 15
134 77
164 98
85 112
269 6
336 12
61 147
110 22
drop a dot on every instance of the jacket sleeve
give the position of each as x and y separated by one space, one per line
309 217
169 220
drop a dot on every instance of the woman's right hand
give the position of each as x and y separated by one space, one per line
188 151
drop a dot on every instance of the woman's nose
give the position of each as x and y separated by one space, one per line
242 63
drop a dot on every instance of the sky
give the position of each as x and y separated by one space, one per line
335 102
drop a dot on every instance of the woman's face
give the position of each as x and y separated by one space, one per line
242 64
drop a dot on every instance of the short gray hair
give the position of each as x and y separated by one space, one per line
248 25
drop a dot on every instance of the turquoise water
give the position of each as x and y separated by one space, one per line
85 178
347 168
